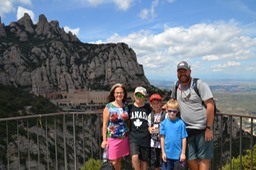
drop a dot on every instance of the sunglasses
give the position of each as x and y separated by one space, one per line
140 95
174 111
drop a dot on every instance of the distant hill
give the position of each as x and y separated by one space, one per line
232 96
216 85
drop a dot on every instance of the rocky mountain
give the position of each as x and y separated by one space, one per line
44 58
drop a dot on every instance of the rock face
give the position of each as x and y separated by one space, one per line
44 58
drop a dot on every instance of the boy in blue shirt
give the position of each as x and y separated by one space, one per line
173 137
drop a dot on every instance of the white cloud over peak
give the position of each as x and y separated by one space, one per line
203 42
74 31
21 11
7 6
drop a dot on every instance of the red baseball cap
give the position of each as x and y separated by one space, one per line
155 97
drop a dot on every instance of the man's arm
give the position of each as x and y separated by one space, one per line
209 119
209 112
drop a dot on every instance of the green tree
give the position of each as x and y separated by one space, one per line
246 161
91 164
16 102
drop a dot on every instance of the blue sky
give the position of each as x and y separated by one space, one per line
217 37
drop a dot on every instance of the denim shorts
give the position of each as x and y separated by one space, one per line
169 164
143 152
198 148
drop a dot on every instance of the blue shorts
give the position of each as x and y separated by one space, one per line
169 164
198 148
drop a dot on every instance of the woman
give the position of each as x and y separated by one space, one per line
114 129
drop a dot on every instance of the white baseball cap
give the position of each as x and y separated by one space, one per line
141 90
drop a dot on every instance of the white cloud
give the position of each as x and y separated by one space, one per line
25 2
7 6
149 13
123 4
21 11
210 58
144 14
251 68
95 2
213 42
170 1
74 31
221 67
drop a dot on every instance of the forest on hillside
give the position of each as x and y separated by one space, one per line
15 101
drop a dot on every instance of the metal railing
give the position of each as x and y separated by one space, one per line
67 140
233 135
50 141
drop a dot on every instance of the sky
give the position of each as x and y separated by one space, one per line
216 37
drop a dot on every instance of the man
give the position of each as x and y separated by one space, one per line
197 117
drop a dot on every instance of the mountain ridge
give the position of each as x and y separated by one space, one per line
44 58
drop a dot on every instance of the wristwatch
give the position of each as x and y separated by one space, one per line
209 127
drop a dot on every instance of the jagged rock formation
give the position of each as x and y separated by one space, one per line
44 58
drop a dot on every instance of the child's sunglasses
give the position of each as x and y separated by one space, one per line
140 95
174 111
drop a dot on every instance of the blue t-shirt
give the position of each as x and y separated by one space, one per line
173 131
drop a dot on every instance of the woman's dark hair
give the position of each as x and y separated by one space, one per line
111 96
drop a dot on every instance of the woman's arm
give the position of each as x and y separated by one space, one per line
104 143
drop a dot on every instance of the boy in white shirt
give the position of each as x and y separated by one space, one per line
154 119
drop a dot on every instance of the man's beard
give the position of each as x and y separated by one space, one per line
184 79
